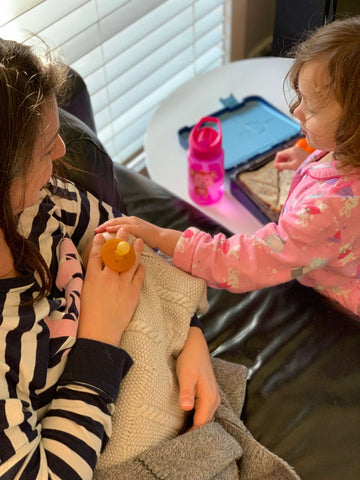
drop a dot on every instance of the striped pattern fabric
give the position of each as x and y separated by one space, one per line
55 401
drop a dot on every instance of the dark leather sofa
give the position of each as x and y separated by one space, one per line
302 351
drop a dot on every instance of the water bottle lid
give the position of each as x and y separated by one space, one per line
205 142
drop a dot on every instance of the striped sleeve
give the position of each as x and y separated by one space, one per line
78 424
63 438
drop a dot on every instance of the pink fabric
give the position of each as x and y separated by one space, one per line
69 280
317 241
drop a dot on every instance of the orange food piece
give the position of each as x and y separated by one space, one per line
302 143
118 255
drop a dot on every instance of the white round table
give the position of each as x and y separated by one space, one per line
166 159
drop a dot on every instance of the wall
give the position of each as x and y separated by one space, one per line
252 27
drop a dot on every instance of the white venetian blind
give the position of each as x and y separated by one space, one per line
131 53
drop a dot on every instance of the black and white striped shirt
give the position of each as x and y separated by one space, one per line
55 392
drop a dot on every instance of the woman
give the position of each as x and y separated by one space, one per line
59 330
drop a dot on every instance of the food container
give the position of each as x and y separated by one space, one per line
253 132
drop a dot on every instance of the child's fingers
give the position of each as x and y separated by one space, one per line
113 222
112 228
122 233
117 232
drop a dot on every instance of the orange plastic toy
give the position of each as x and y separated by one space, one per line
118 255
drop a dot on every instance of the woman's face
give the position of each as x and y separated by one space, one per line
49 146
319 111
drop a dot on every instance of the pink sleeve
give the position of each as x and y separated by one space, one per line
273 255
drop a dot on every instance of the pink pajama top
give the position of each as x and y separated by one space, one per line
316 241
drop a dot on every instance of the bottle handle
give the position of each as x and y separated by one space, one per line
210 120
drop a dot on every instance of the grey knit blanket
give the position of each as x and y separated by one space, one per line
221 450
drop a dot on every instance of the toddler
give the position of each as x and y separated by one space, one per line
317 237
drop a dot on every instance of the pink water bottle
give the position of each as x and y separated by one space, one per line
206 162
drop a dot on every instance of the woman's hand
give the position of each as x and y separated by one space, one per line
290 158
108 299
156 237
198 387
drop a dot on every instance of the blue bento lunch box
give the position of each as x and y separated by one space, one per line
253 132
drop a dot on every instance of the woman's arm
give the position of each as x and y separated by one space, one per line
66 440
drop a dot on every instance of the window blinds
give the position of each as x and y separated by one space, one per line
131 53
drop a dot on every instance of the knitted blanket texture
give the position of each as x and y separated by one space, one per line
145 443
147 410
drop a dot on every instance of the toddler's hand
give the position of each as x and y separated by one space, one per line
290 158
156 237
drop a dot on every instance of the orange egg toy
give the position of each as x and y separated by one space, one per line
118 255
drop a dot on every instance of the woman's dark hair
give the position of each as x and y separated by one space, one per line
337 45
27 81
